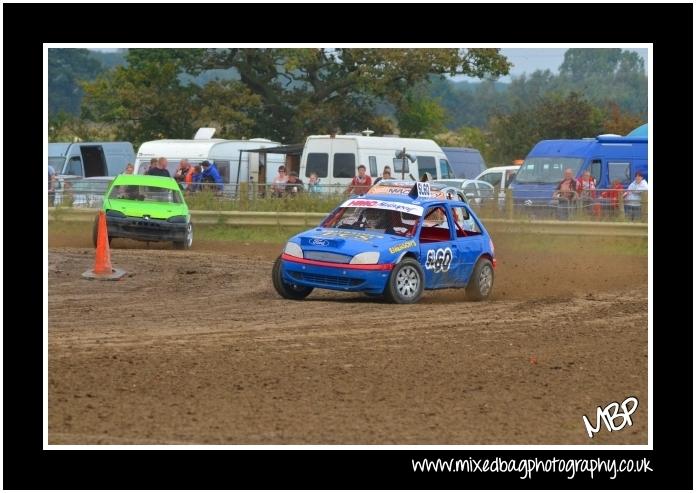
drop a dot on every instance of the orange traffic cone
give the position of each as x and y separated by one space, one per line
102 260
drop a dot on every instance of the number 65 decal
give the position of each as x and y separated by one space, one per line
439 260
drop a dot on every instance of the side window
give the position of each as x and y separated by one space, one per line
344 165
493 178
596 170
470 188
509 176
436 217
445 170
74 166
466 224
317 162
426 164
373 165
485 190
619 171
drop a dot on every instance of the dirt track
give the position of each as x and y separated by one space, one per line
196 347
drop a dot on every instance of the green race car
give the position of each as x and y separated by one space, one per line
146 208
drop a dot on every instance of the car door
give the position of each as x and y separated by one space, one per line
435 242
472 196
467 245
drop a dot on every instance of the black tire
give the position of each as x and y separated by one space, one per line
406 282
95 232
288 291
188 242
481 283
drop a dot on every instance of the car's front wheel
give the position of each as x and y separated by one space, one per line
188 241
481 282
288 291
405 283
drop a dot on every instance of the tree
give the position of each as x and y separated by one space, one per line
618 122
554 117
468 137
420 116
67 67
317 90
147 100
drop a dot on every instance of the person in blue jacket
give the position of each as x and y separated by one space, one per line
210 174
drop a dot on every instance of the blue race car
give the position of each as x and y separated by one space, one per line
394 244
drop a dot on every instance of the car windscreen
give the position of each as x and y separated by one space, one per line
145 193
369 218
546 169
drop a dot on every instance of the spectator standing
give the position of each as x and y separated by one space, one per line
313 183
386 175
184 174
160 169
278 186
210 174
632 196
294 186
611 197
128 169
360 183
587 190
566 193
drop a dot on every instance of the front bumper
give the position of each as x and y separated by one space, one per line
339 277
138 228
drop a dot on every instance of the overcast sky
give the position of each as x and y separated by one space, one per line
527 60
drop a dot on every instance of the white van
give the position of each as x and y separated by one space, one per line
336 158
229 157
87 159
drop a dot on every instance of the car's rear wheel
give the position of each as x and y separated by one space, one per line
405 283
186 244
288 291
481 282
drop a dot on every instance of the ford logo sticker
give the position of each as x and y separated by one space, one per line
318 242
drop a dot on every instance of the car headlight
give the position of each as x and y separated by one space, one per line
114 213
177 219
293 249
365 258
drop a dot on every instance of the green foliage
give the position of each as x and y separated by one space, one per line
147 100
468 137
420 117
66 68
554 117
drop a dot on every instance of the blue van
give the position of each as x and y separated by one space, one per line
607 157
466 162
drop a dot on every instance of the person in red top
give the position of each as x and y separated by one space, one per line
611 197
360 183
587 191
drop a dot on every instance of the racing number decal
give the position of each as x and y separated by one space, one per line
439 260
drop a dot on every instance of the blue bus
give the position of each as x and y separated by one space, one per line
608 157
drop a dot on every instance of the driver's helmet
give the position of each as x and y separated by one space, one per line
373 218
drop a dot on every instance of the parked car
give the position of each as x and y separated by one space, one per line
391 245
147 208
477 192
465 162
500 177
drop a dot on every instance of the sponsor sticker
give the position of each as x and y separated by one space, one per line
416 210
402 246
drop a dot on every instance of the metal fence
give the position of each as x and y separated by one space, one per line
610 205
